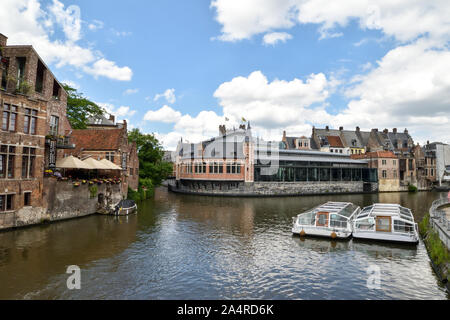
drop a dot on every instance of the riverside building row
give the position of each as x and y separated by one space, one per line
34 134
236 163
330 161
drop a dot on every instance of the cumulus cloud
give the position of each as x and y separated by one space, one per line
120 112
274 37
169 95
404 19
109 69
27 22
166 114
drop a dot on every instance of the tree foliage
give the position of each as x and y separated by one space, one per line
152 169
80 108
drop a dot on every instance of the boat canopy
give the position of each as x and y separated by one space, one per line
384 209
340 212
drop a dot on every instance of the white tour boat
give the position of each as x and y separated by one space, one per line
386 222
332 219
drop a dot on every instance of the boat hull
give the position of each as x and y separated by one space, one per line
388 237
126 211
321 232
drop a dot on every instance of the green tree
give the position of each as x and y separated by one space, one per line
152 169
80 108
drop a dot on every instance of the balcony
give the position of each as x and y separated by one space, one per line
62 142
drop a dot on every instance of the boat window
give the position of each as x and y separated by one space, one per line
401 226
338 221
366 224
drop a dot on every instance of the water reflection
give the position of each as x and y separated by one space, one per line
188 247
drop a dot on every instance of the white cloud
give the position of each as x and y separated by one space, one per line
120 112
256 98
274 37
71 84
130 91
124 111
169 95
404 20
166 114
109 69
26 22
96 25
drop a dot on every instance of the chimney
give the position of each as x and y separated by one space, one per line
327 128
358 129
222 130
125 125
3 40
284 135
385 131
112 118
406 131
375 130
394 130
428 142
341 128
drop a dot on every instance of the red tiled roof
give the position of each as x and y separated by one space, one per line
376 154
97 139
335 141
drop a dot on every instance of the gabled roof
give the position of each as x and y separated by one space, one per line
335 141
97 139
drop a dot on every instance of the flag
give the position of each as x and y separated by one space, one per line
243 119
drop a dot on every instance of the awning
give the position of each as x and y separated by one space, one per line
72 163
94 164
111 165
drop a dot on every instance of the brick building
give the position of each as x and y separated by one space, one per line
34 128
112 144
387 165
402 145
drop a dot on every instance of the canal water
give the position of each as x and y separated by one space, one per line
190 247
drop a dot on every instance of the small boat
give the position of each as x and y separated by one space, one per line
332 219
125 207
386 222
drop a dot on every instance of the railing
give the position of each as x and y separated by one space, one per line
440 215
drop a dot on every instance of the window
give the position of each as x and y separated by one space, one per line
131 171
29 122
56 89
410 164
394 162
28 162
7 157
383 162
384 173
110 156
233 168
9 117
27 199
54 125
20 70
39 86
432 172
124 161
6 202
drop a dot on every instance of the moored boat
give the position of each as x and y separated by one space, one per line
125 207
332 219
386 222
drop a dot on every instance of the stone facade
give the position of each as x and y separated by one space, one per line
61 200
271 189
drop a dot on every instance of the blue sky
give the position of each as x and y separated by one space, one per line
338 65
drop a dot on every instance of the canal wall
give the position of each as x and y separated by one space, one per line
62 200
268 189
